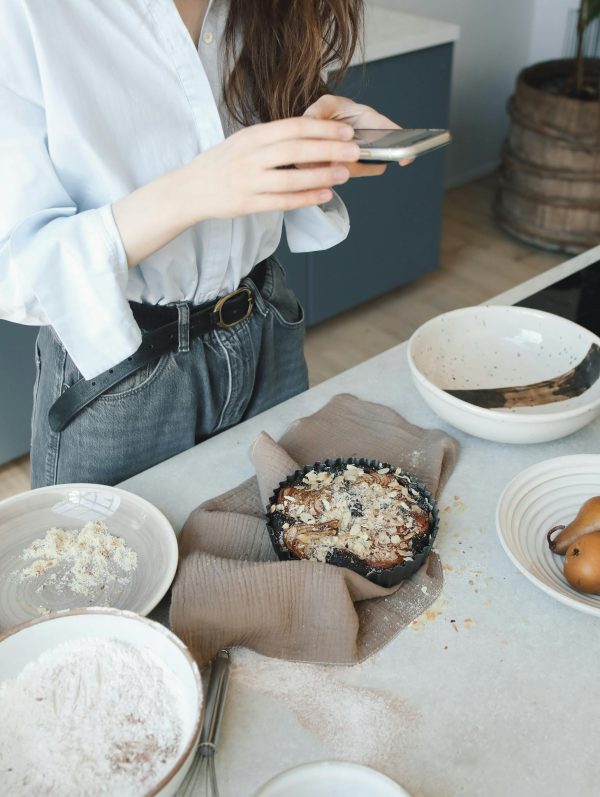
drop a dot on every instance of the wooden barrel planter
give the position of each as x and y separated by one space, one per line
549 190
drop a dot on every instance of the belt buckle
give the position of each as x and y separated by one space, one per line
218 309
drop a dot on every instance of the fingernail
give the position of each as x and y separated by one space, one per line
340 175
324 196
346 132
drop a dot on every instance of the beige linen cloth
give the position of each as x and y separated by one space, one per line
230 588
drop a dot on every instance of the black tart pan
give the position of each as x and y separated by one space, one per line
383 576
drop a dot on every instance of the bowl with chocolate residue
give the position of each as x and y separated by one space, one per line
507 374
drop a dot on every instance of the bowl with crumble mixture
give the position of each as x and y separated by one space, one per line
366 515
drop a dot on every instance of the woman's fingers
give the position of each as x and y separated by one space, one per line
297 128
291 201
327 106
308 151
290 180
343 109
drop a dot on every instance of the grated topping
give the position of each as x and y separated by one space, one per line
377 515
87 561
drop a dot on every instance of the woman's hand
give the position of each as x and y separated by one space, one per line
247 173
252 171
359 116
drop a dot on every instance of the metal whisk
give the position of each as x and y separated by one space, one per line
203 765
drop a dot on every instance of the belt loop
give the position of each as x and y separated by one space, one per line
183 309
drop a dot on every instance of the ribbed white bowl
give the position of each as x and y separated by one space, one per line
540 497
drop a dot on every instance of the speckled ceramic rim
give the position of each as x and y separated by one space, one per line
95 610
384 577
481 411
165 582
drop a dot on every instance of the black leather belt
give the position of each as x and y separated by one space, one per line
160 335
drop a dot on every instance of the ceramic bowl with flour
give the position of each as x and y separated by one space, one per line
96 701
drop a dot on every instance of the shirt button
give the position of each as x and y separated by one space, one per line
208 37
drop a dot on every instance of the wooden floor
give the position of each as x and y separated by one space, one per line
478 261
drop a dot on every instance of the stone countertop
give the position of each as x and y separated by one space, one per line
389 33
494 690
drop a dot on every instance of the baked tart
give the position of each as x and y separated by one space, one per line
362 514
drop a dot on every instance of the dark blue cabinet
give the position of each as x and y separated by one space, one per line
17 366
396 218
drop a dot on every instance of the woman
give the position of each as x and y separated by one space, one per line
145 149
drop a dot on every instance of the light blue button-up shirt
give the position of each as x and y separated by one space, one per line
98 97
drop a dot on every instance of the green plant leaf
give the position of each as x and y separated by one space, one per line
593 10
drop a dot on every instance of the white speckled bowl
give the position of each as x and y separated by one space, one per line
27 642
491 346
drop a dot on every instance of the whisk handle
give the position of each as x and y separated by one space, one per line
215 701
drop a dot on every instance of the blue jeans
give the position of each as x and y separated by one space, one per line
169 405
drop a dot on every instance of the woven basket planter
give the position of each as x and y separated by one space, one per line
549 191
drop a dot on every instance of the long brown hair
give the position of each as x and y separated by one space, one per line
279 49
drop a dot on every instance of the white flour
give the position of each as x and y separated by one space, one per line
95 716
352 722
87 561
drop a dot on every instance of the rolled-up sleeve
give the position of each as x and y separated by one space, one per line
316 228
58 265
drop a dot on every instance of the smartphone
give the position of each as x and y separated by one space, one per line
381 146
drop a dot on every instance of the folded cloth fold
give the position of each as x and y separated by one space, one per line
230 588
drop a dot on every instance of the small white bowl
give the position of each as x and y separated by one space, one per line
28 516
331 779
25 643
492 346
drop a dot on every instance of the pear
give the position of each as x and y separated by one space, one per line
582 563
586 522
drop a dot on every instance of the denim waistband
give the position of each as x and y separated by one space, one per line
152 316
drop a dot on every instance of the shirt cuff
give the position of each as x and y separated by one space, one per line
316 228
95 324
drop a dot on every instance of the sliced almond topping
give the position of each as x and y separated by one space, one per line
370 513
